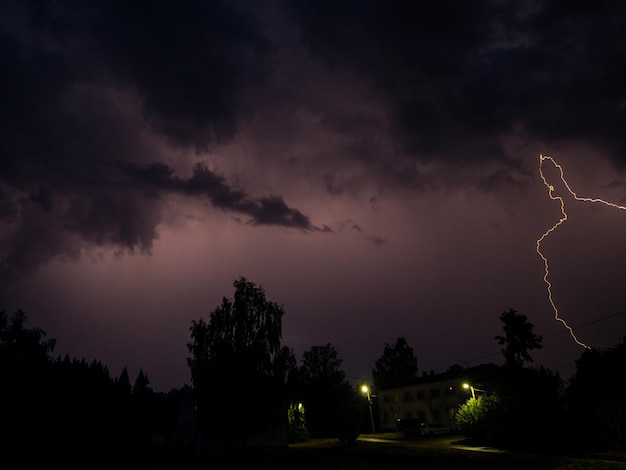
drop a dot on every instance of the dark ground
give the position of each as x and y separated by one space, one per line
438 453
380 452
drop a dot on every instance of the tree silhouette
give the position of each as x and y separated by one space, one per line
507 415
123 383
22 350
396 367
324 390
596 394
518 339
24 368
142 384
70 407
239 368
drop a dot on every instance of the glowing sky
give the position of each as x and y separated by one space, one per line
373 165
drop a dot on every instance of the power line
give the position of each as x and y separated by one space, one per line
589 323
560 332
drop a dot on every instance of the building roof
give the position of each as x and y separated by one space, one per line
478 375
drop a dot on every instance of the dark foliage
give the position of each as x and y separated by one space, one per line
331 404
26 379
525 408
396 367
596 399
64 405
531 409
524 411
518 339
239 369
71 408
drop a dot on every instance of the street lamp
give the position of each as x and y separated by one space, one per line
472 389
366 391
466 386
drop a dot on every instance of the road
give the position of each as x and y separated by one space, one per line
613 459
446 442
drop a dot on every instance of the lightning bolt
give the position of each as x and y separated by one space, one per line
562 219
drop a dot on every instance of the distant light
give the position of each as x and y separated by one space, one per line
364 388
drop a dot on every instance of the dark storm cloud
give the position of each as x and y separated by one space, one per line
458 74
83 84
59 224
36 237
189 61
270 210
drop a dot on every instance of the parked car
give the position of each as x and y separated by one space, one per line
434 429
410 426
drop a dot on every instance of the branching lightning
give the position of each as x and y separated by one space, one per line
563 218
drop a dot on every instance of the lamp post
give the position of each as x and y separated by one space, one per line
366 391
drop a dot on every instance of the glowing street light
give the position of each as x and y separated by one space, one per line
366 391
466 386
472 389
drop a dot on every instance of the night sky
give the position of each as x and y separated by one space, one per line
374 166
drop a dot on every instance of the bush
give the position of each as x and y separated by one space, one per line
479 419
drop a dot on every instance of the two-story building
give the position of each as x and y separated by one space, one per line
434 397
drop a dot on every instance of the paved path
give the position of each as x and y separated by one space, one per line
455 442
451 442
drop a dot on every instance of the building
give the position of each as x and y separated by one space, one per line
434 398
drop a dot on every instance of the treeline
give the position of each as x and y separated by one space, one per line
249 391
56 404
